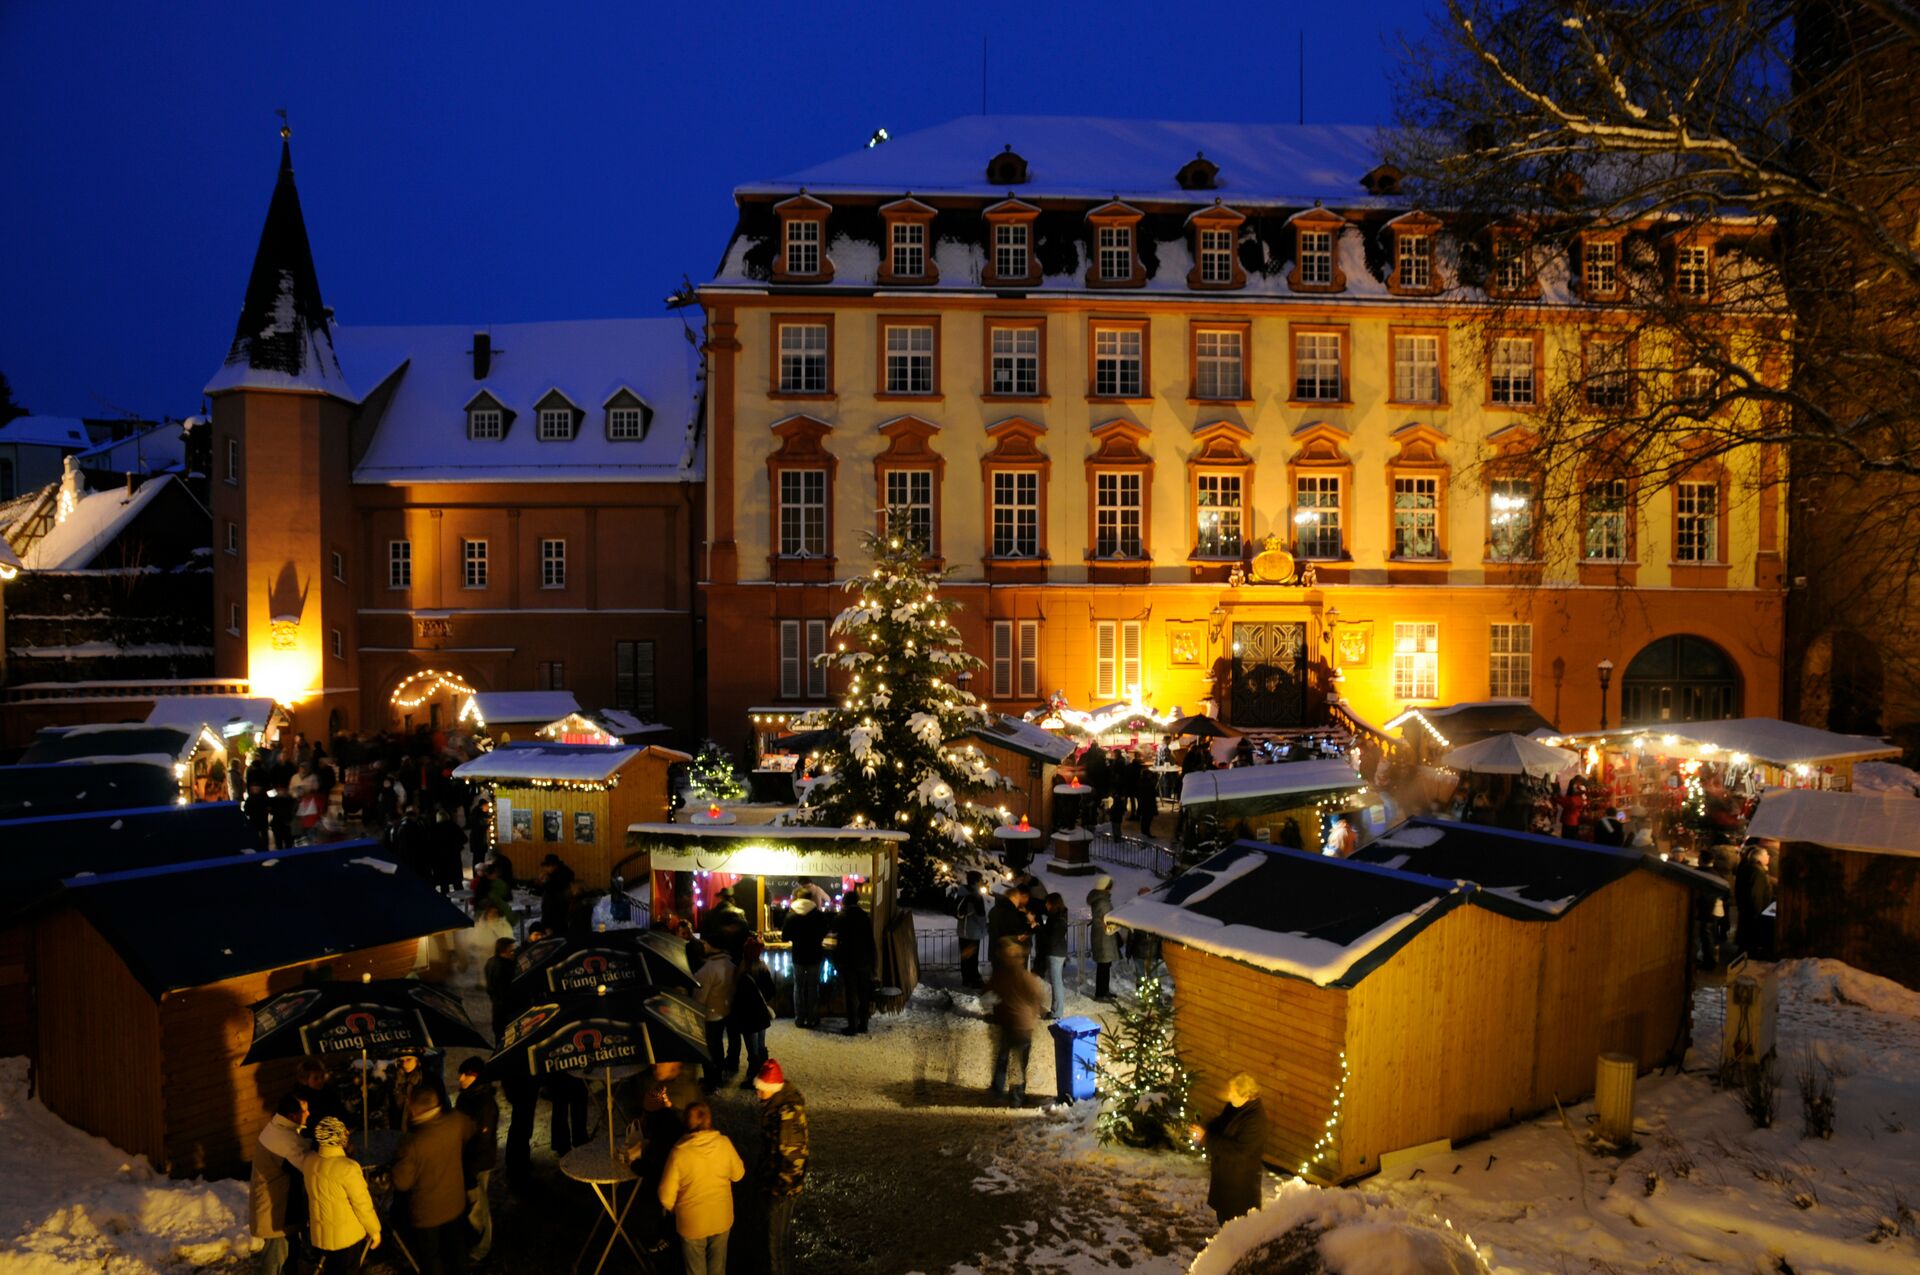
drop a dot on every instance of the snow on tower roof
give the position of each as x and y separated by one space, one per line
418 381
1084 157
282 341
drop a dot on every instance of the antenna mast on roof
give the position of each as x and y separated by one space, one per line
983 73
1301 73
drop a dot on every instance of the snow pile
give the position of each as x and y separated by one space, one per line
1886 777
1828 982
84 1205
1305 1230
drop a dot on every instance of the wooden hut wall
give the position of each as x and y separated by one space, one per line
1286 1032
97 1063
1613 979
1850 905
642 794
215 1106
1032 793
1440 1039
593 864
16 990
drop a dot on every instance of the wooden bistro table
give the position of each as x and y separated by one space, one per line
598 1167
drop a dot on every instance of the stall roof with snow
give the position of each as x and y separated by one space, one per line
1453 725
228 714
762 850
63 788
36 854
1025 738
1761 739
127 741
1383 1008
489 710
552 763
572 800
1250 790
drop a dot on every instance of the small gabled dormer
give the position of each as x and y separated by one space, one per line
557 417
487 417
1011 257
1414 239
628 417
906 243
1198 173
1216 249
1006 169
1316 251
802 255
1384 179
1115 260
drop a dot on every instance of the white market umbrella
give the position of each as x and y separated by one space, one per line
1510 755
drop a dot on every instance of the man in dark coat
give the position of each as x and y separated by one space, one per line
1752 896
857 958
1105 944
476 1102
1235 1140
1009 919
556 893
257 805
497 975
784 1146
806 929
431 1169
1146 789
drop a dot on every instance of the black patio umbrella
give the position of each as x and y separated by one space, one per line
385 1016
1198 724
603 1029
617 960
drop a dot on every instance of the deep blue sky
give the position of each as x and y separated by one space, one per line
487 162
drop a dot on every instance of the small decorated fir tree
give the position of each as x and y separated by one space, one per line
1143 1084
897 754
713 774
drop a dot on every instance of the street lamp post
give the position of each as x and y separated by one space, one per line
1606 678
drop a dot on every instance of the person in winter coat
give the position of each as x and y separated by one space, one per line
279 1165
970 925
1053 947
1752 896
445 844
725 926
855 955
313 1085
807 929
431 1169
341 1222
1146 790
669 1094
497 975
782 1170
697 1188
1234 1140
752 1010
555 884
1016 1011
716 978
477 1103
1009 919
1103 941
257 806
411 1072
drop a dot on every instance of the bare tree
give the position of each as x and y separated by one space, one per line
1755 167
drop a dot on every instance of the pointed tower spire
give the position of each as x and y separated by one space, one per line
284 338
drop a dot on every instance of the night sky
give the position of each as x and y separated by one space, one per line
487 162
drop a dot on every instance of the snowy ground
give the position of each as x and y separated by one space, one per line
914 1171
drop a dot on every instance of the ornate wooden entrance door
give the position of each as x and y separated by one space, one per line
1269 687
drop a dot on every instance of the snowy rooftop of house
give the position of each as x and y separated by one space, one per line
618 721
1542 875
63 788
36 854
580 763
47 431
419 381
163 446
119 741
1329 921
1025 738
1082 157
1253 783
238 712
93 523
1882 823
520 706
195 924
1766 739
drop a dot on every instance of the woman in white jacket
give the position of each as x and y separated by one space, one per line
341 1222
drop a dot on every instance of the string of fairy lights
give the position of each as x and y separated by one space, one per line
1329 1132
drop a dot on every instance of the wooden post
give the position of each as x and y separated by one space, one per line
1613 1095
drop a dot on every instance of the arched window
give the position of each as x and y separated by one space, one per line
1682 678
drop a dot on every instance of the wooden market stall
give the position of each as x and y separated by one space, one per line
572 800
1028 758
508 716
245 723
1430 731
37 854
28 792
1263 801
1849 873
1382 1008
196 755
1754 753
144 979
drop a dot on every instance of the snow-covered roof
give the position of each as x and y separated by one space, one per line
113 742
580 763
164 446
47 431
1024 738
95 520
617 721
495 707
1084 157
1281 779
1764 739
1883 823
425 379
238 712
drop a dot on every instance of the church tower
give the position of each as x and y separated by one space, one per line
283 530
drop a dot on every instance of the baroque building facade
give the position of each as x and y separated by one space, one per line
1209 416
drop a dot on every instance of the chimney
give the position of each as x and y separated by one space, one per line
482 355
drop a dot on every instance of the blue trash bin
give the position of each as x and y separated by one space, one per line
1076 1050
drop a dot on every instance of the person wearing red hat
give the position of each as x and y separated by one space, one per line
783 1157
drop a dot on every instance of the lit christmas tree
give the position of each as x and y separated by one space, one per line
898 755
714 776
1143 1085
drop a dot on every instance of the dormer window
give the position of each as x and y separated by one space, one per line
1116 260
1316 257
558 418
1010 227
1006 169
1413 237
1415 263
1600 269
1116 253
1198 173
627 417
1316 241
803 241
1012 246
1215 244
487 419
1216 256
1693 271
909 236
1509 265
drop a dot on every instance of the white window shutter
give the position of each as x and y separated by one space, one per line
790 659
1002 659
1029 657
816 647
1130 658
1105 641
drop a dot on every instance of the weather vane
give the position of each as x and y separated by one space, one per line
286 129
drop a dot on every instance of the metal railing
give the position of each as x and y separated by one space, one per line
1134 852
939 945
